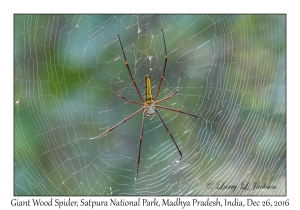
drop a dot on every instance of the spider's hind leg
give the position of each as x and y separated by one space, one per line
169 132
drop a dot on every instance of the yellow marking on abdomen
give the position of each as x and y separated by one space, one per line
148 88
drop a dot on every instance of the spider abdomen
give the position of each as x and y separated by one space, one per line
148 90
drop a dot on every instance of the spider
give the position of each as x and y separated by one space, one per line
149 104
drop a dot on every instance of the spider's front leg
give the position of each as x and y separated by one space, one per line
130 101
165 65
128 68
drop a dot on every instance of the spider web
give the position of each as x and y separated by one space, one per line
229 69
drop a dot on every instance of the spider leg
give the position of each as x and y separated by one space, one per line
166 59
170 96
141 139
169 132
127 65
177 110
130 101
127 118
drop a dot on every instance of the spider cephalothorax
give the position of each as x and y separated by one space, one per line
149 104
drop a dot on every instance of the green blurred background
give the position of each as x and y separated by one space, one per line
229 69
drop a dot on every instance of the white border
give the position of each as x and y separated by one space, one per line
154 6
